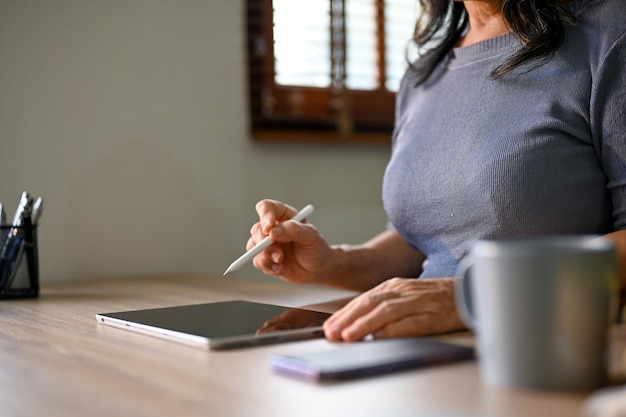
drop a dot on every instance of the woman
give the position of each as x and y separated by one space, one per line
512 124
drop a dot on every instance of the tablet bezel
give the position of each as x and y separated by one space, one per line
212 343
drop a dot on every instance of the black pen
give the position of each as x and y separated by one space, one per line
13 245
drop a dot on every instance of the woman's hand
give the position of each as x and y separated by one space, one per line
397 307
299 253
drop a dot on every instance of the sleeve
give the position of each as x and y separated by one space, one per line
608 110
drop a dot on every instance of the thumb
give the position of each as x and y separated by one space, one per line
294 231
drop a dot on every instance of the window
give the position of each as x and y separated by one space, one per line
328 69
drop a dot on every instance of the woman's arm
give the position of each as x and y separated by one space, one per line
387 255
301 255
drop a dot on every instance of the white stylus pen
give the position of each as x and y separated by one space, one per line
259 247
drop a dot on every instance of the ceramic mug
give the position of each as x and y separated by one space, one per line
541 310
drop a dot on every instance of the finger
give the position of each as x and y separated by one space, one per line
271 211
270 261
436 315
293 231
434 320
385 313
376 308
366 301
353 311
430 311
415 325
256 235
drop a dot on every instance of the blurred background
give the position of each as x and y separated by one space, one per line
130 119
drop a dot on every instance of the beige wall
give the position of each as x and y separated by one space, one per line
129 118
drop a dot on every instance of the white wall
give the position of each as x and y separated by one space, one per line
129 117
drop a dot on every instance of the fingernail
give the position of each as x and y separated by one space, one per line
278 231
275 256
348 334
276 268
331 333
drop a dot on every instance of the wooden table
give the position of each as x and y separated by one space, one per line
56 360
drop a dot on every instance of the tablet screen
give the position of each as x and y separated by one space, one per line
221 324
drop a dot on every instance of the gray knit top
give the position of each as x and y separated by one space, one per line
541 151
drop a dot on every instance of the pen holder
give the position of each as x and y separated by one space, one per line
19 266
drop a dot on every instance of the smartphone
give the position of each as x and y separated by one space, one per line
358 359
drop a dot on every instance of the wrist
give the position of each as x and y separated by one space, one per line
351 267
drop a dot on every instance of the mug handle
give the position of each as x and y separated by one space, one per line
463 294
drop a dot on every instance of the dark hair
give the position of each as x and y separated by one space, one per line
538 24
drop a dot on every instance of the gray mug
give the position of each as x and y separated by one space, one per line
541 310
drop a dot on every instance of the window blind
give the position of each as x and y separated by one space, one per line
328 65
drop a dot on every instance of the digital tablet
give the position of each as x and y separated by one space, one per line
221 325
357 359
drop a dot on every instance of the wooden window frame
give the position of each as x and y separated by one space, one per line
292 113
